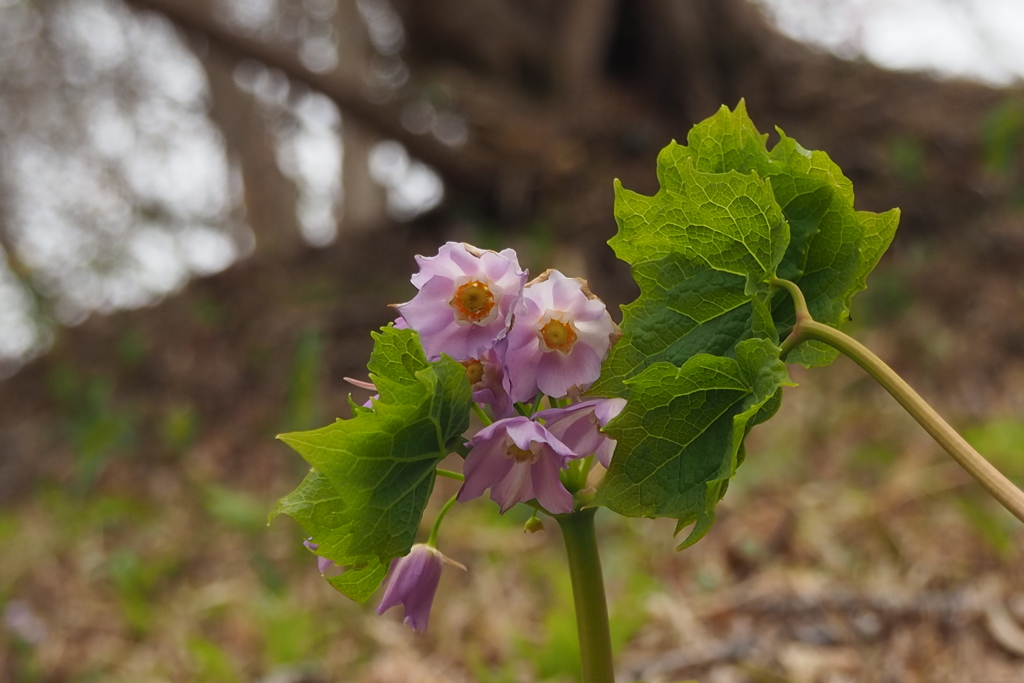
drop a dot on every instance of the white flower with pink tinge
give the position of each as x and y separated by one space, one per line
561 335
466 300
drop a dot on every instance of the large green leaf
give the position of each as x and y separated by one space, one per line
699 357
832 247
372 474
703 250
680 435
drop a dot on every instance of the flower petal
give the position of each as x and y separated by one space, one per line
557 372
413 582
516 487
607 409
486 471
460 334
548 488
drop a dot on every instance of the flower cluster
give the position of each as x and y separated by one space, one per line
521 343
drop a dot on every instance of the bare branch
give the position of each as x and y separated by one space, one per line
468 166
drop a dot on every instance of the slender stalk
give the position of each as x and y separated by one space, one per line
483 416
1001 488
799 302
588 595
802 313
450 475
432 540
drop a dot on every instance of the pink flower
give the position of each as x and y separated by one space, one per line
322 563
579 426
486 375
466 300
413 582
561 336
519 460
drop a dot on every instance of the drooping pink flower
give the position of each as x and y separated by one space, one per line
519 460
562 334
486 374
579 426
412 582
466 300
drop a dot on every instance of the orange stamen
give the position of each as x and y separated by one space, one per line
558 336
519 455
474 370
473 301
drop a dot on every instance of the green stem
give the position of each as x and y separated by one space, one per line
802 313
588 595
799 302
432 540
451 475
484 417
575 476
1001 488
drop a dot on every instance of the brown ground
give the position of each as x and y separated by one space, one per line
138 463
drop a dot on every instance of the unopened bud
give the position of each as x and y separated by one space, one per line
533 525
585 497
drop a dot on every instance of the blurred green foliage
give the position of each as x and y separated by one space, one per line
179 427
209 312
235 509
132 348
906 157
97 428
1001 441
136 580
292 633
303 407
211 664
558 654
1003 136
991 523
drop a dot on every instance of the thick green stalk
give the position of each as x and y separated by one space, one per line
588 596
1001 488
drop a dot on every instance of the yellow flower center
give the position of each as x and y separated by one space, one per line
519 455
474 370
473 301
558 336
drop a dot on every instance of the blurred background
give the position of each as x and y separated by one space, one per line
205 207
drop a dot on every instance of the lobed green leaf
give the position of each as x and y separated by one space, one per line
699 358
832 247
680 435
372 474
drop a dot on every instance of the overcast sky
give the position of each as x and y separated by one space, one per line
981 39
